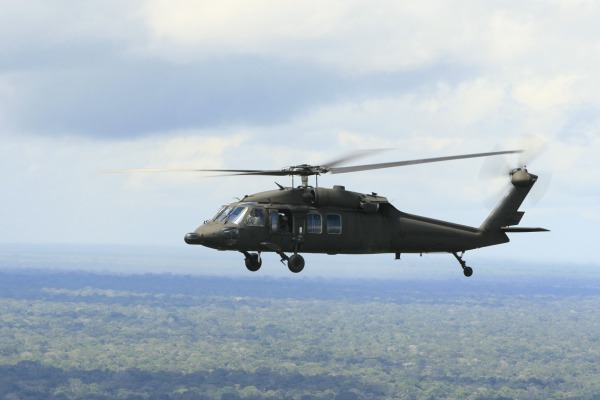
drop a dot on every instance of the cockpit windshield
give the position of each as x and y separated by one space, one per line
222 214
218 214
237 215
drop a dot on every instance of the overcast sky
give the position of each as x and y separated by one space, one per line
94 85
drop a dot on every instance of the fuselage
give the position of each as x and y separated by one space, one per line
332 221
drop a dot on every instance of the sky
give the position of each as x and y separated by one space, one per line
97 85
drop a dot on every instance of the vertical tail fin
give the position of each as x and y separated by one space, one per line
507 211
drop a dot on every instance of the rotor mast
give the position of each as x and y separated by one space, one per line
306 170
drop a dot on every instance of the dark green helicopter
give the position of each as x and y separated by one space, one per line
307 219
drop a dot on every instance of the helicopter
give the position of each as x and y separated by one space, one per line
291 221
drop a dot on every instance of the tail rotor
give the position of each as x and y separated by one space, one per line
499 170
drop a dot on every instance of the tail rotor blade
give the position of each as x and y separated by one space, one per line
495 167
535 146
498 169
540 188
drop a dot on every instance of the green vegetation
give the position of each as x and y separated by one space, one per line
77 335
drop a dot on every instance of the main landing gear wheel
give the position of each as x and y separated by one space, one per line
296 263
253 262
468 271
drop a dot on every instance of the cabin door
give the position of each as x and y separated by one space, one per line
372 232
282 228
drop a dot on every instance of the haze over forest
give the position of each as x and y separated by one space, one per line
96 323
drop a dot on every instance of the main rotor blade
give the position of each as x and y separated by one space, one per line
120 171
234 172
356 168
352 156
264 173
231 171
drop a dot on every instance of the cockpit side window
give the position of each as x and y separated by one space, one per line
256 217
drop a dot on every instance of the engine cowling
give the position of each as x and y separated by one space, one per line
340 197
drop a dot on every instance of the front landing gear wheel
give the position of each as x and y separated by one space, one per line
296 263
253 262
468 271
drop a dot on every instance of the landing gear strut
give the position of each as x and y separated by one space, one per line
295 262
468 271
253 261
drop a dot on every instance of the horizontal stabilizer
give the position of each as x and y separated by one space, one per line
514 219
522 230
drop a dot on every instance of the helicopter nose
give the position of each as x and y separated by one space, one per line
214 238
193 238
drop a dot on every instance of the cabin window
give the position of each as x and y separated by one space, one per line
274 221
256 217
334 224
314 223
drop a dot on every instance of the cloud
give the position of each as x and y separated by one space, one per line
381 36
235 84
345 35
156 66
41 25
546 94
118 98
126 99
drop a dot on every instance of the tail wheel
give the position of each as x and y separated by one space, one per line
296 263
467 271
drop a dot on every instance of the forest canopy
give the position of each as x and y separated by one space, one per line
81 335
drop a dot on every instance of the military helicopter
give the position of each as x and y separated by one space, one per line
312 219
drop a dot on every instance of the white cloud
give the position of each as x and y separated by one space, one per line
7 94
379 36
509 36
191 149
475 100
348 35
61 22
541 94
